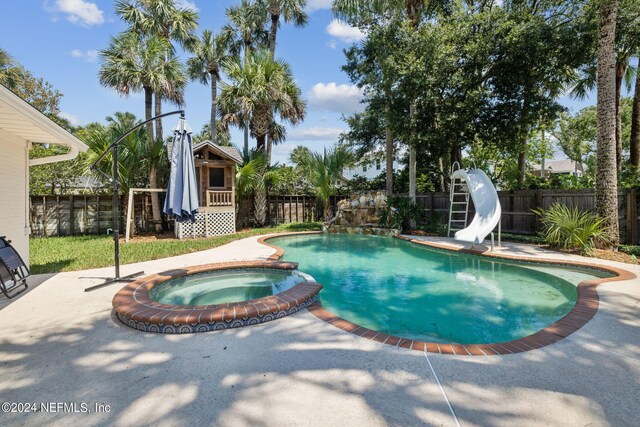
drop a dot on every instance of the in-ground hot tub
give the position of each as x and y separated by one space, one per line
215 296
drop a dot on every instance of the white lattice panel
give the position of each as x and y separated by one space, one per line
207 224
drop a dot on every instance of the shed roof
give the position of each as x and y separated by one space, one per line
228 152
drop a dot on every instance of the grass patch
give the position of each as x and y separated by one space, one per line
56 254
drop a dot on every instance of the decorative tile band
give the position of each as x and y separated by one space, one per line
584 309
135 308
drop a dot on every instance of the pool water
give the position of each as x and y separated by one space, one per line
224 286
404 289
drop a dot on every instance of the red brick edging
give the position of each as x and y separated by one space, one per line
584 309
135 308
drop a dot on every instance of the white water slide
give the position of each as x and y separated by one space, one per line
474 183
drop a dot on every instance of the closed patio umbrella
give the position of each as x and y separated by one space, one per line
182 193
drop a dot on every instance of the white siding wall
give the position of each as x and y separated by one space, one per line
14 204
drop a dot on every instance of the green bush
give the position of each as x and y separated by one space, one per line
630 249
400 212
569 228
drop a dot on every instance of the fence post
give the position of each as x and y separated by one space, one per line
98 212
72 227
631 236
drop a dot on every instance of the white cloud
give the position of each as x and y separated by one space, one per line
186 4
333 97
315 134
89 55
74 120
313 5
332 44
344 32
80 12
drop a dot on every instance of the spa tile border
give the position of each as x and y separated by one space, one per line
584 309
135 308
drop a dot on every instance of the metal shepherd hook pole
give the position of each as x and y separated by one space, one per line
115 183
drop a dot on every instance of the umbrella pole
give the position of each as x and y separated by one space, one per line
115 182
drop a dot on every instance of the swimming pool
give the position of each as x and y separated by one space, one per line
403 289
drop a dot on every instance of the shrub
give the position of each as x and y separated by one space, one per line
569 228
400 212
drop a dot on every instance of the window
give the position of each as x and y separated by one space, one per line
364 168
378 164
216 177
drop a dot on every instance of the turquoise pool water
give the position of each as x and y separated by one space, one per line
404 289
224 286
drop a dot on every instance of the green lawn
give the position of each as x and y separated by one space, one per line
55 254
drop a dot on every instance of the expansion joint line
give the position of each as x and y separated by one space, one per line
446 399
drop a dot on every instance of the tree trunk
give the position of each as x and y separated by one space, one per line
389 153
522 163
456 154
273 33
327 210
214 108
269 144
158 105
260 208
247 48
621 67
441 182
260 142
412 155
606 172
153 175
634 141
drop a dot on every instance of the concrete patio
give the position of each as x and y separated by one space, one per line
61 344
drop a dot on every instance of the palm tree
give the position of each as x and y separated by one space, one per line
10 71
255 176
291 11
246 30
163 19
209 52
257 89
606 172
322 170
98 137
135 63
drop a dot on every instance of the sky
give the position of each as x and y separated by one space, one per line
59 40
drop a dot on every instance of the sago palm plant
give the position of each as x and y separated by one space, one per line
323 170
569 228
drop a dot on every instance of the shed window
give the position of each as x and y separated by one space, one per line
216 177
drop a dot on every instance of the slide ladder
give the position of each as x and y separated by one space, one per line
459 203
473 184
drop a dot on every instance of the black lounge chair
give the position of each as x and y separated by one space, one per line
13 270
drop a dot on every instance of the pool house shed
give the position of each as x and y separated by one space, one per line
215 174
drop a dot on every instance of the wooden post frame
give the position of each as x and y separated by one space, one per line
130 210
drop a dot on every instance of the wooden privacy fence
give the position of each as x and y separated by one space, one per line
517 205
286 209
73 215
70 215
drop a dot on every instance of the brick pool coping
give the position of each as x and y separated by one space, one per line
585 308
135 308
